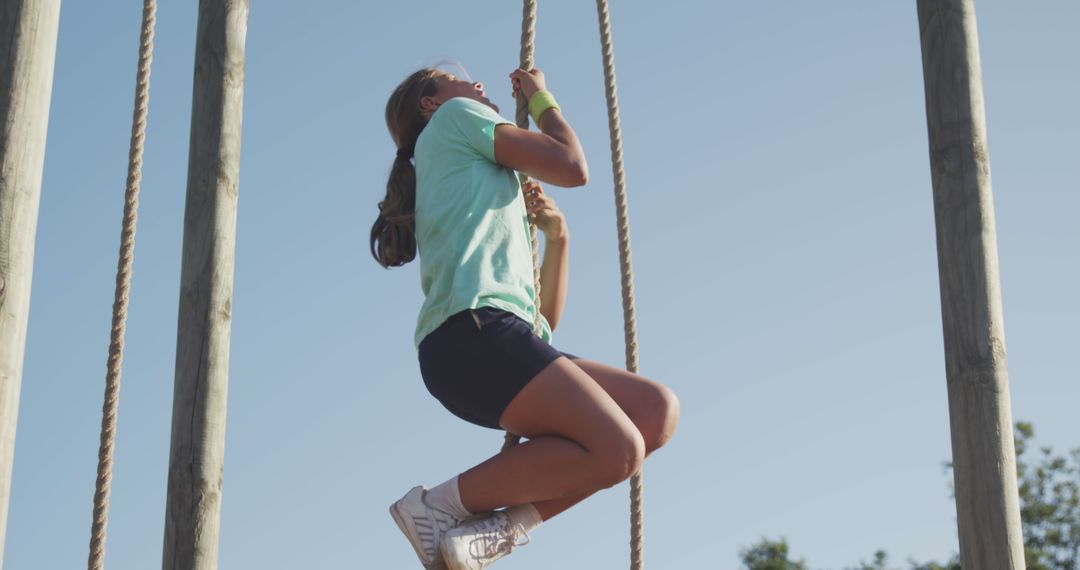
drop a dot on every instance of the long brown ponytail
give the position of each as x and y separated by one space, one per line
393 236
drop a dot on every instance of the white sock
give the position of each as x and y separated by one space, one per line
447 498
525 514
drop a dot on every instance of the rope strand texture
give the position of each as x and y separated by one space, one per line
123 287
528 48
637 485
528 38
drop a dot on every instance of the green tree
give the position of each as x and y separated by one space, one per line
770 555
1049 504
880 562
1049 488
953 564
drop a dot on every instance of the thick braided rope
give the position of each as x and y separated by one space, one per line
123 286
528 47
637 517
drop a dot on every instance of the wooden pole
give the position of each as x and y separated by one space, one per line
984 460
27 55
196 457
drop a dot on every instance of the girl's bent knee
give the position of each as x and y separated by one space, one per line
620 461
659 422
670 410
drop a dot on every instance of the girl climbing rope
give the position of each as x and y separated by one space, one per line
453 194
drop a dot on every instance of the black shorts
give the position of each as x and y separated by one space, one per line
479 359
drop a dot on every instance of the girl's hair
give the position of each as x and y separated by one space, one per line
393 236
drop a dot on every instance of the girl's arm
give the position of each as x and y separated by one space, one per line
555 270
554 154
554 278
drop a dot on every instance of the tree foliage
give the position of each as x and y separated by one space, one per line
1049 504
1049 487
770 555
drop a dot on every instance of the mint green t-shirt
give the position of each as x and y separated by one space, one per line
472 229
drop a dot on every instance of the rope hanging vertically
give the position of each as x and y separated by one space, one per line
528 36
123 286
528 40
637 486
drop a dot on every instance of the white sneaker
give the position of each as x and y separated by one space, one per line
424 526
478 543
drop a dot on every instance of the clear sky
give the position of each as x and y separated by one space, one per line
786 276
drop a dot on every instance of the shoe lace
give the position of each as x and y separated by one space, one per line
499 541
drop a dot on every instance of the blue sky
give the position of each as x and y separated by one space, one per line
786 276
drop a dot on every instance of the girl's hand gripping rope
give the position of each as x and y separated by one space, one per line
543 212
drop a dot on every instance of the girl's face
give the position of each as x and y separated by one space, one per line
448 87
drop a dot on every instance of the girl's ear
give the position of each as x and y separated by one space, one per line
428 105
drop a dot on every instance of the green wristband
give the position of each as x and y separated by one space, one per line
539 102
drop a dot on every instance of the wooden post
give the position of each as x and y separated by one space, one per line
984 460
27 55
196 457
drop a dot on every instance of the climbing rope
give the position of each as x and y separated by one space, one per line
637 486
123 286
528 38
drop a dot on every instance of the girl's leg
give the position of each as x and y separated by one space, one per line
652 407
580 441
586 421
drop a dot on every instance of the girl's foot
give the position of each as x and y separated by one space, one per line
477 543
424 526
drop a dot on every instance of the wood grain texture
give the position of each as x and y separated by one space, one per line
197 454
27 56
984 459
